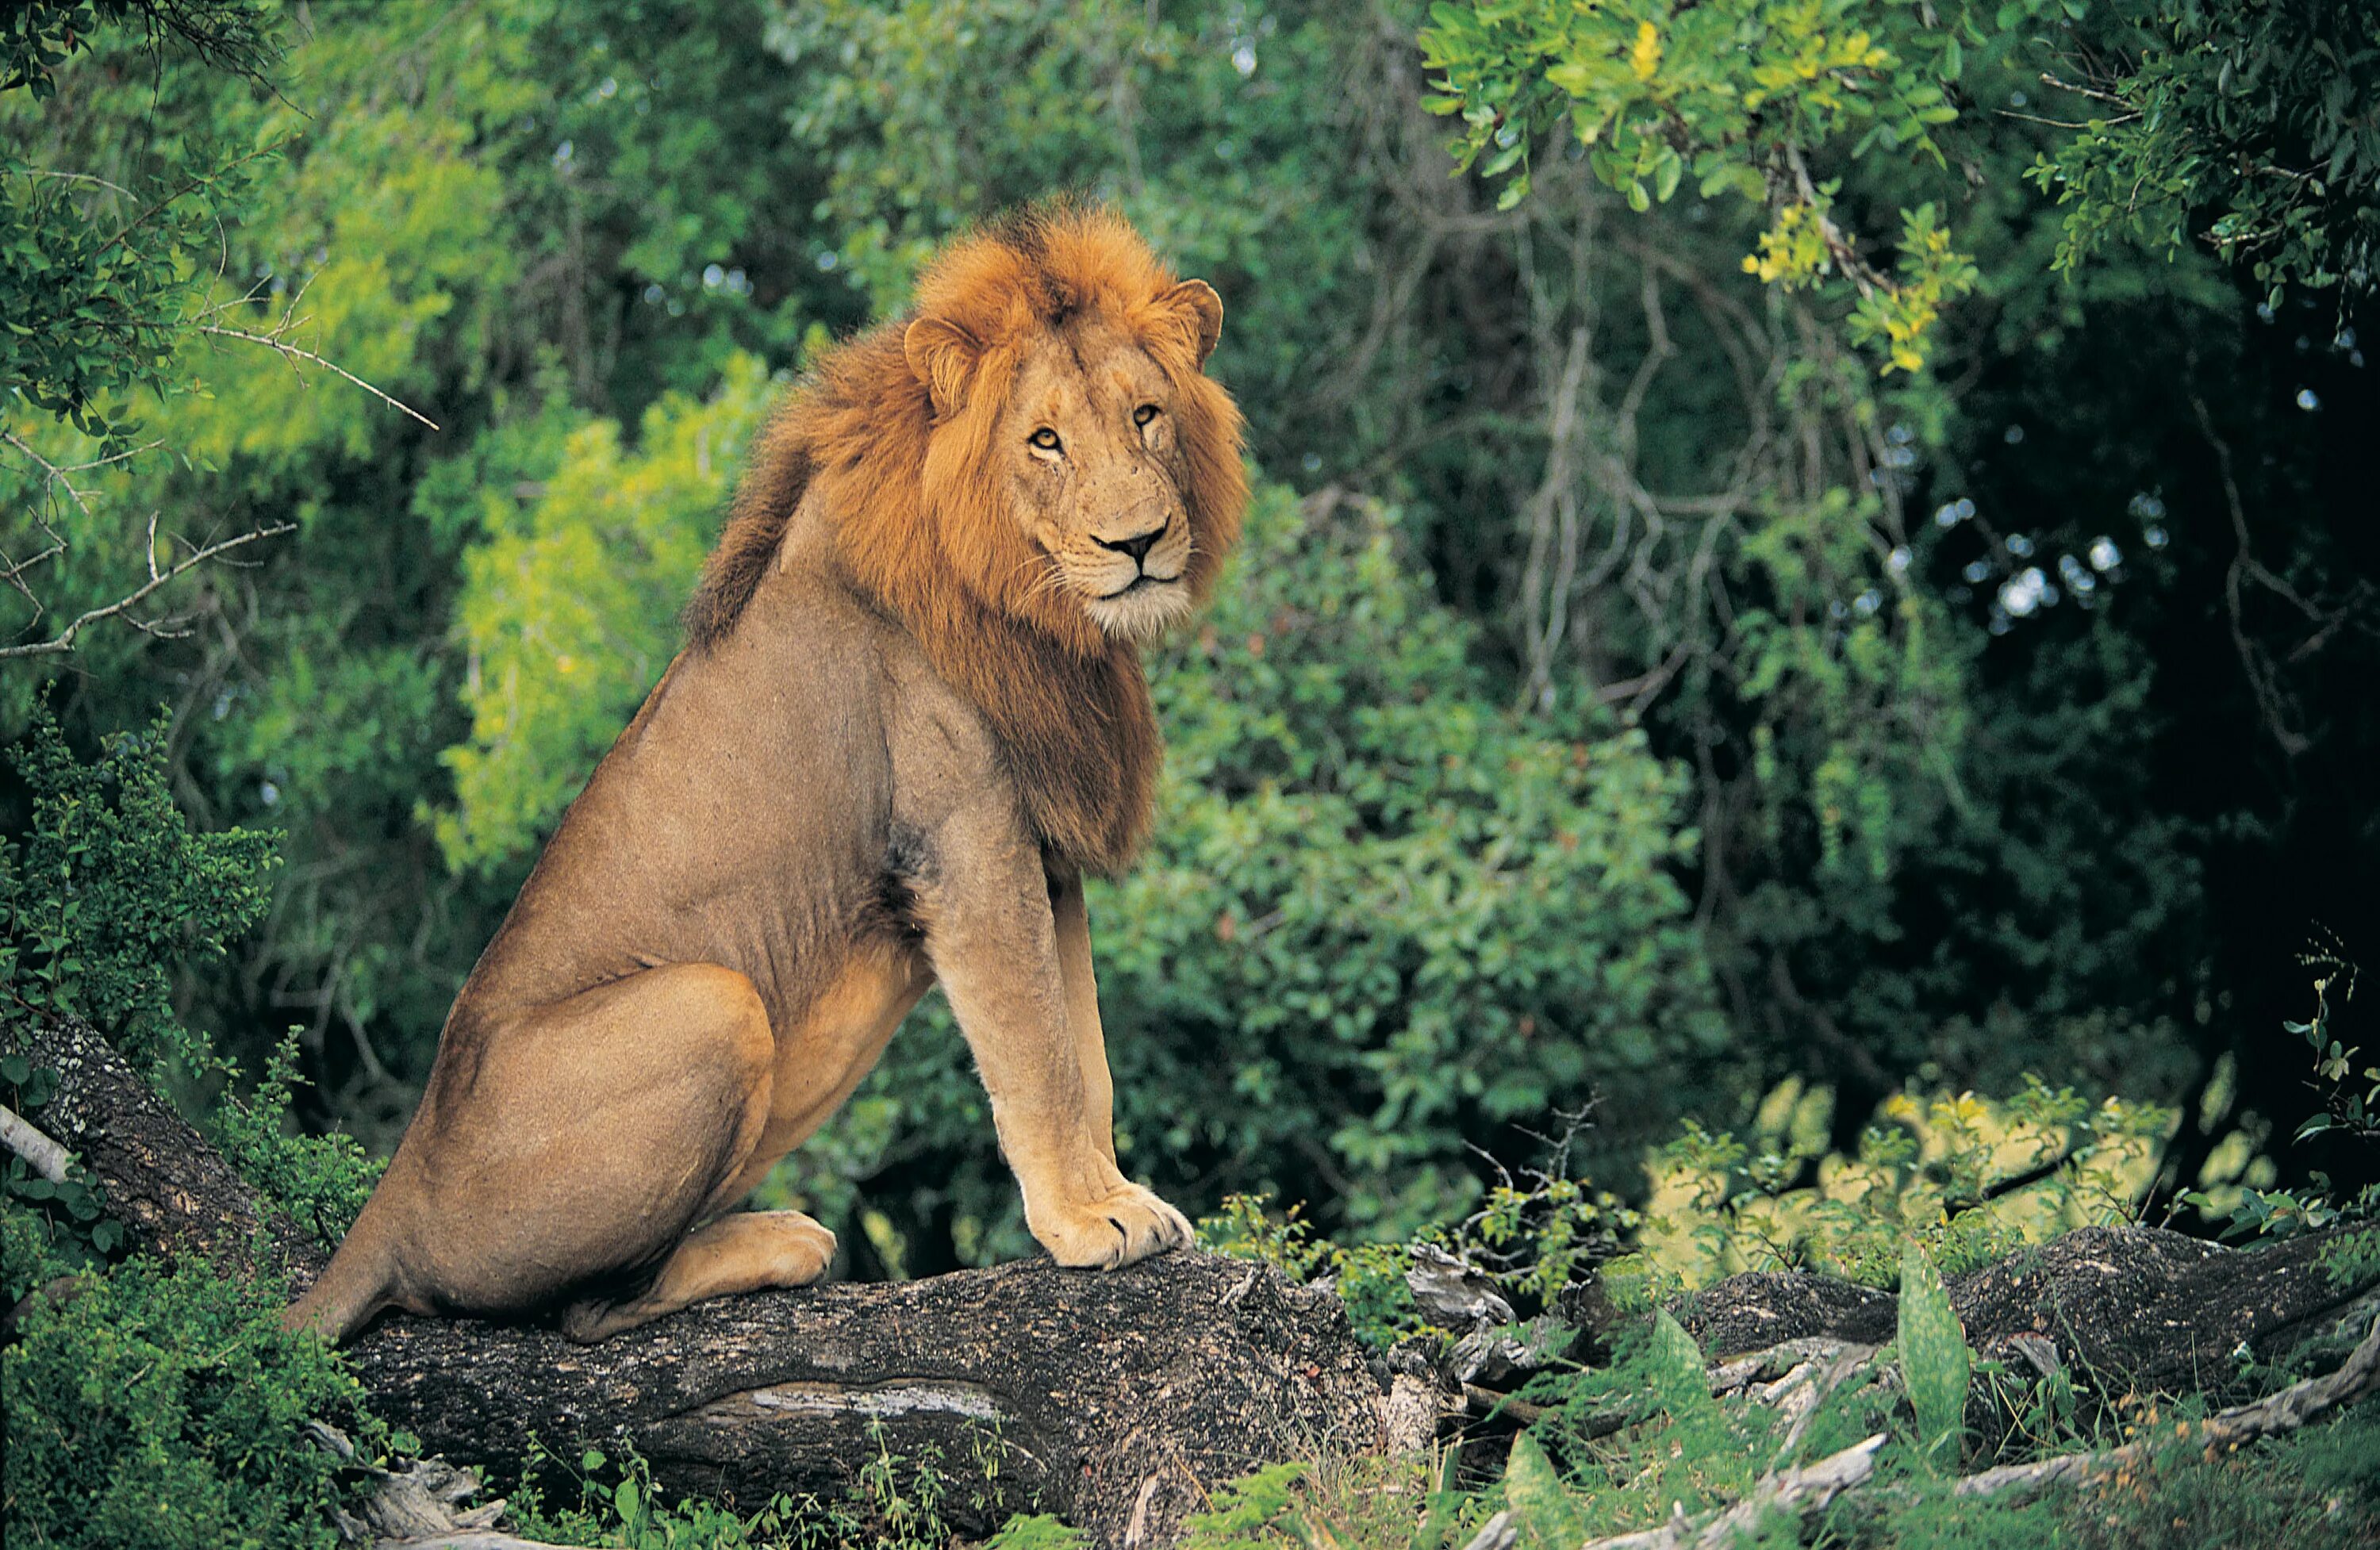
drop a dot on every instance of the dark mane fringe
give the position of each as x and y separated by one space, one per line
771 488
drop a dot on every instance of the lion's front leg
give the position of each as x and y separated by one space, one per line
1074 927
994 939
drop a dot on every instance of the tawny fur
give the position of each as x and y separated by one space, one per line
909 717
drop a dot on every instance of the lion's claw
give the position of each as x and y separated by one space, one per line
1124 1227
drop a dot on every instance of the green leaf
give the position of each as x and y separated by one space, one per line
1674 1365
1934 1357
1534 1489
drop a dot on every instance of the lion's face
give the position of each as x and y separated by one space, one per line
1083 470
1087 444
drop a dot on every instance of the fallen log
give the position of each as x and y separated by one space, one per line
1117 1400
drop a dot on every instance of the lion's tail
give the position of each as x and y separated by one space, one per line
356 1285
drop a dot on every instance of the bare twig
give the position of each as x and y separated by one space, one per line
47 1158
274 342
2263 679
64 640
50 472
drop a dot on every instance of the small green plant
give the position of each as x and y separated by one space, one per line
321 1180
1369 1278
1935 1362
2345 1107
110 887
161 1405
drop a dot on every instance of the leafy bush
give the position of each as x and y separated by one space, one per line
159 1405
1971 1179
895 1503
109 891
321 1180
1383 915
165 1407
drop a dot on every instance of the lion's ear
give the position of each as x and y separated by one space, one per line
1194 306
943 354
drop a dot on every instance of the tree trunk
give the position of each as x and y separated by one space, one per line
1117 1400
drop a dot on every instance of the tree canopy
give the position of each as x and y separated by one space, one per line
1812 540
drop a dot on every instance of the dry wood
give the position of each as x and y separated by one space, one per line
2124 1309
1806 1493
45 1157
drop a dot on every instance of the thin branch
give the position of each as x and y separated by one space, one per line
51 473
47 1158
1839 246
1805 1492
191 186
2081 90
273 342
2263 680
64 640
2061 122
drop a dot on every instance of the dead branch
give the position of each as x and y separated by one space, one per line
64 640
2276 1415
45 1157
273 341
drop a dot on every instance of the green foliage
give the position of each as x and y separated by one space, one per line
1934 1357
1262 1508
1037 1532
1540 1507
1933 1172
109 889
894 1502
2260 113
1378 909
36 35
1738 94
1368 1278
2345 1109
165 1407
569 605
101 282
321 1180
48 1227
2245 123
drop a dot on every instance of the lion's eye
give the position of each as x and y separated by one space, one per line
1143 414
1045 437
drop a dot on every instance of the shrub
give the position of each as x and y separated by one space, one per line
162 1406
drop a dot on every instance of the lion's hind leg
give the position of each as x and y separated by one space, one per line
587 1137
750 1251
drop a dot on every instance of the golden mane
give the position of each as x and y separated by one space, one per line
920 529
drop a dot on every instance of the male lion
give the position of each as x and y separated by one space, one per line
909 719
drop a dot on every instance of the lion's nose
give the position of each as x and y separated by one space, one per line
1137 546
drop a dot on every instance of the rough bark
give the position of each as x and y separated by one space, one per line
172 1190
1117 1400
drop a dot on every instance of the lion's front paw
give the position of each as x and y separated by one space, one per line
1112 1230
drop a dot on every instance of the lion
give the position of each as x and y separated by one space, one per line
908 719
